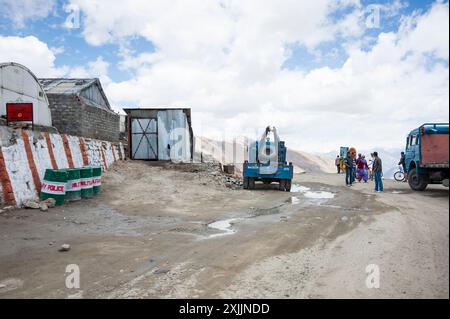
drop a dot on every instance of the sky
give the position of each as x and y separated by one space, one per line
326 73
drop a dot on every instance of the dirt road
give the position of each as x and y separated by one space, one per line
166 231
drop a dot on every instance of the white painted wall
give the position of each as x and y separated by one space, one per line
17 166
75 150
58 150
40 153
16 163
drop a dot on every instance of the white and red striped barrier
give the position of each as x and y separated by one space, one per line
25 155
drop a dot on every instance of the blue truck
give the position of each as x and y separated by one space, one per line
267 163
426 155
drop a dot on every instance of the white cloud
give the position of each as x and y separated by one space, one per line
31 52
232 78
96 69
427 33
19 11
40 59
57 50
224 60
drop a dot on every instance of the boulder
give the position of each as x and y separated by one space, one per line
31 203
65 247
50 202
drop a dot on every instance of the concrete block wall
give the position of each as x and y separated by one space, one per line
72 115
99 123
66 113
26 154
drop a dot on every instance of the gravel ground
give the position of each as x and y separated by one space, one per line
162 230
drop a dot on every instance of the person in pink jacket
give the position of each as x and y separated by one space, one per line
362 168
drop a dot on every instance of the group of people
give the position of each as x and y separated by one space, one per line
359 169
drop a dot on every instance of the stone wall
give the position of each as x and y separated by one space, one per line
71 115
25 155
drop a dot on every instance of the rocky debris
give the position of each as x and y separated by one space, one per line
42 205
232 182
161 271
31 203
50 202
65 247
209 171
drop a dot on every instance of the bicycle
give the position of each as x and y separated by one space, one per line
399 176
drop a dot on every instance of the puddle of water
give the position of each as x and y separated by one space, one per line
319 195
295 200
310 194
295 188
223 225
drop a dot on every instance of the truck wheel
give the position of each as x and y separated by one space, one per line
288 185
417 181
251 183
245 183
282 185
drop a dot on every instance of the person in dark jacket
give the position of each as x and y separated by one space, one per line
402 162
348 163
378 172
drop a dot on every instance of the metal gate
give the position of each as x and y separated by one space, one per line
144 139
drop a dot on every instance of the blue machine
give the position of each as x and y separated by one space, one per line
267 162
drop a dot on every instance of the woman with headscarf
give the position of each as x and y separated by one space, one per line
362 169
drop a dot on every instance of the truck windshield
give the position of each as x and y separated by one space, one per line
413 140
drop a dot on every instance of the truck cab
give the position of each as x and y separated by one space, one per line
427 158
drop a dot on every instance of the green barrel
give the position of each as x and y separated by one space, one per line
54 185
86 182
73 188
96 179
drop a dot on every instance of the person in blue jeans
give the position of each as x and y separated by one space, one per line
378 172
348 163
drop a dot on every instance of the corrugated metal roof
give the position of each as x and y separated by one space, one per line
71 86
65 86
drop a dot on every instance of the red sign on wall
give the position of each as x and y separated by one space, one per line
19 112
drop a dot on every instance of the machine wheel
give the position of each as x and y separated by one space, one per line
417 181
251 183
282 186
245 183
288 185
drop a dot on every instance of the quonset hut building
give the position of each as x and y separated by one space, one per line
19 85
160 134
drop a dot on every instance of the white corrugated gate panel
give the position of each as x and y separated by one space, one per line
173 136
143 141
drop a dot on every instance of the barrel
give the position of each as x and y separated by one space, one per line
54 185
86 182
73 188
96 179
